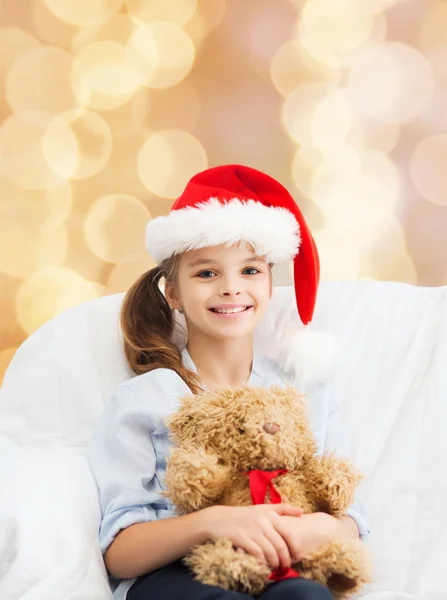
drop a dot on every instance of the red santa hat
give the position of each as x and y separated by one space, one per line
233 203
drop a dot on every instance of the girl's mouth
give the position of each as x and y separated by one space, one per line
230 312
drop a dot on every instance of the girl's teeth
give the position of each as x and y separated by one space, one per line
229 310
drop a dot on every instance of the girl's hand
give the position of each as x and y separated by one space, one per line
305 535
254 529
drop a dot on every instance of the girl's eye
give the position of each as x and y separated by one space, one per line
206 274
250 271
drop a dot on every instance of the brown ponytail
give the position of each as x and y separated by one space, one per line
147 325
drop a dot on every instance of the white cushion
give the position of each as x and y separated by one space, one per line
391 374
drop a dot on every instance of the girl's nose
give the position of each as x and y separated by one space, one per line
271 428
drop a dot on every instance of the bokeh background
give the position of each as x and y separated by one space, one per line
109 106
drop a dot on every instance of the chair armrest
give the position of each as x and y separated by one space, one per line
49 519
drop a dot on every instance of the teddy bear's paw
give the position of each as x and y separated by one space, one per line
194 479
339 479
343 565
218 563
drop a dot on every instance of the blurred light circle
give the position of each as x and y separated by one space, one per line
21 151
5 358
308 115
48 27
381 168
124 275
117 29
336 168
382 137
291 66
331 30
428 168
204 21
13 44
77 144
161 54
84 13
359 205
382 83
49 292
101 77
304 164
27 242
340 258
40 79
175 11
177 107
114 228
168 159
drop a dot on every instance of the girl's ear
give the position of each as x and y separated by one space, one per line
172 296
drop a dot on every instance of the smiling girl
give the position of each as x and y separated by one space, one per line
215 250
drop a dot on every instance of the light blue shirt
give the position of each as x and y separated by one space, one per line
128 449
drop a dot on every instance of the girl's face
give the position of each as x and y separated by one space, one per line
223 291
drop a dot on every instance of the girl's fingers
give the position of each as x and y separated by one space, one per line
269 550
253 548
286 509
281 548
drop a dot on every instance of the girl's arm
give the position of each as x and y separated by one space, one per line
144 547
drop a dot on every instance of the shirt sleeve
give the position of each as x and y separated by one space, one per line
337 442
123 460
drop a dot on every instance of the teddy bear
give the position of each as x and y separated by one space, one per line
249 445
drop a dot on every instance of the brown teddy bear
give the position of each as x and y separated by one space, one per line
239 446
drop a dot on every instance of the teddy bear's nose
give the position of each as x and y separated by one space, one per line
271 428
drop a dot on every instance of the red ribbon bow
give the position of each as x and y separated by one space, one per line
260 482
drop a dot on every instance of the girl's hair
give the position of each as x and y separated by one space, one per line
147 324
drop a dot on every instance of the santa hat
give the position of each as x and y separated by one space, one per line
233 203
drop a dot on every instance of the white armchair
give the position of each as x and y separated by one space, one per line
391 374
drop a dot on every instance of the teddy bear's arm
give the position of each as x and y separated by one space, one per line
332 482
195 479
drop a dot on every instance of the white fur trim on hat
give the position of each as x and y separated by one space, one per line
307 357
272 231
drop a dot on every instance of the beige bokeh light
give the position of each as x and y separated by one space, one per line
360 206
77 144
308 115
168 159
292 66
117 29
428 168
160 54
40 79
84 13
49 292
114 228
332 30
32 241
340 258
101 76
205 20
21 151
174 11
13 44
432 36
382 83
123 275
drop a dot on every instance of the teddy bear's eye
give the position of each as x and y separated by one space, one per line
241 430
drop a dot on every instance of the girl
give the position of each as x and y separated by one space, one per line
215 250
